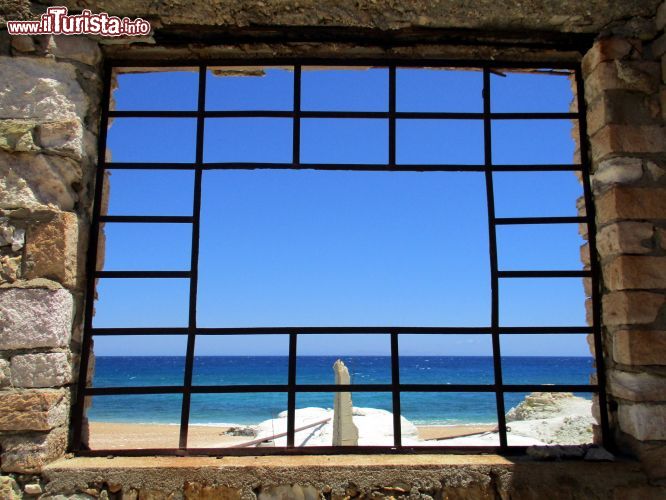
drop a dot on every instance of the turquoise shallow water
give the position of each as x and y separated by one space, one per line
421 408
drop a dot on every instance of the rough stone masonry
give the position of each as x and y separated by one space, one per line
50 91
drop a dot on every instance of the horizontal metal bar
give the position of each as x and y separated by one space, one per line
374 167
344 166
544 274
544 330
538 168
142 274
306 450
176 219
534 116
139 331
152 114
346 330
129 391
310 388
147 166
401 115
550 388
539 220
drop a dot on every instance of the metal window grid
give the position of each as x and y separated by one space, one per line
395 388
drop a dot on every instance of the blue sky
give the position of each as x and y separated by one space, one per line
342 248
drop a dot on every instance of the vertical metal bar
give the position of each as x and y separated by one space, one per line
194 263
291 396
91 264
492 242
395 390
594 264
296 155
293 337
392 108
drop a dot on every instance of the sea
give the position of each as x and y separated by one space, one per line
422 408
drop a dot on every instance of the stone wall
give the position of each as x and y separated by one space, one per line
49 112
49 98
626 99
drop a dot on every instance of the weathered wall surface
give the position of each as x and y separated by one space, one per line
49 93
49 99
626 99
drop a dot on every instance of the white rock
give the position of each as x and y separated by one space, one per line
617 171
40 88
40 370
598 454
345 433
38 181
33 489
35 317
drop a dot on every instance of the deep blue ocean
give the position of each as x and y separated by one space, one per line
420 408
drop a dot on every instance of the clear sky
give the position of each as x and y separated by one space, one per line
342 248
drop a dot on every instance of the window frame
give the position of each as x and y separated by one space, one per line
395 388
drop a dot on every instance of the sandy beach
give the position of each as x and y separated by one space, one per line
118 436
541 418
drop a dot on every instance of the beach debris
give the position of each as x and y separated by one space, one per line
240 431
599 454
345 432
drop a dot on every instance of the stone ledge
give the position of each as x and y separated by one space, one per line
481 476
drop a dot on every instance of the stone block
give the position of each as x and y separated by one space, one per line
622 107
41 370
10 268
639 387
651 455
627 139
295 492
33 410
617 170
80 49
625 238
198 491
641 492
645 422
635 76
635 272
52 250
661 238
632 307
27 454
41 89
640 347
35 317
62 137
18 136
38 181
4 373
660 21
631 203
607 49
9 490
